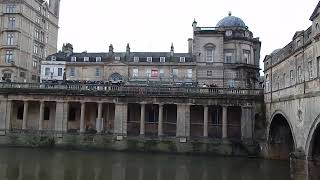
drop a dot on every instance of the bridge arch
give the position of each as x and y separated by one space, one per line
313 140
281 139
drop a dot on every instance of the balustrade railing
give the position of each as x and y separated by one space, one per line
136 90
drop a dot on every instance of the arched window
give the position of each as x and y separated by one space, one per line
209 52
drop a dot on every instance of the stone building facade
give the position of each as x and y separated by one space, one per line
292 96
224 56
29 33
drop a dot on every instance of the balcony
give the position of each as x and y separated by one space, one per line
116 90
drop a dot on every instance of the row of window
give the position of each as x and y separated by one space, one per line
117 58
50 71
160 73
228 56
291 75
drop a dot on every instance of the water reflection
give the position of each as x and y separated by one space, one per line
27 164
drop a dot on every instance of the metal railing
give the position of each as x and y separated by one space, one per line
132 90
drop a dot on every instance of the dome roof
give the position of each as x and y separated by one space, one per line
231 21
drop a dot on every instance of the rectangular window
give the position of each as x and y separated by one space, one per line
10 39
299 74
209 73
72 72
161 73
135 73
11 22
73 59
291 76
47 71
97 72
209 55
135 59
189 73
246 57
20 113
59 71
149 59
10 8
310 70
231 83
33 77
148 73
162 59
36 33
228 58
35 49
22 74
117 58
284 80
38 20
182 59
98 59
34 64
9 56
86 59
175 72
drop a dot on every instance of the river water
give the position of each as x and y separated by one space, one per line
38 164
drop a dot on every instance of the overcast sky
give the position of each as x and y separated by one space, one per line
150 25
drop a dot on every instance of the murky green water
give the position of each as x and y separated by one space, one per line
31 164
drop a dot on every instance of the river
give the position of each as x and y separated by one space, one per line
39 164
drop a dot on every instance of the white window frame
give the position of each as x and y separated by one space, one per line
135 72
227 56
209 54
149 59
246 57
10 8
12 22
162 59
135 59
182 59
117 58
72 71
10 39
53 58
9 56
175 72
60 69
98 59
86 59
189 73
47 71
73 59
98 72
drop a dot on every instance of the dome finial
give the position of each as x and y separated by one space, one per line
230 13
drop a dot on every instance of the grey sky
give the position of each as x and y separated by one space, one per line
150 25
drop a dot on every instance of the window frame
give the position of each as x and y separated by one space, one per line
86 59
182 59
149 59
162 59
98 59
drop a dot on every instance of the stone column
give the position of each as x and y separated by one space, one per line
183 120
61 121
25 115
3 115
142 118
299 168
224 122
82 123
41 116
205 121
8 114
120 119
99 119
246 122
160 122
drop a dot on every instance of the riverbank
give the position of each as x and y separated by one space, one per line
168 145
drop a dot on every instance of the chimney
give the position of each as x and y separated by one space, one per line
172 50
67 48
190 45
128 49
111 49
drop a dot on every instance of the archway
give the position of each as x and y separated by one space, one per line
115 78
280 140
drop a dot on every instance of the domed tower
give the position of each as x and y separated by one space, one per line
227 55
